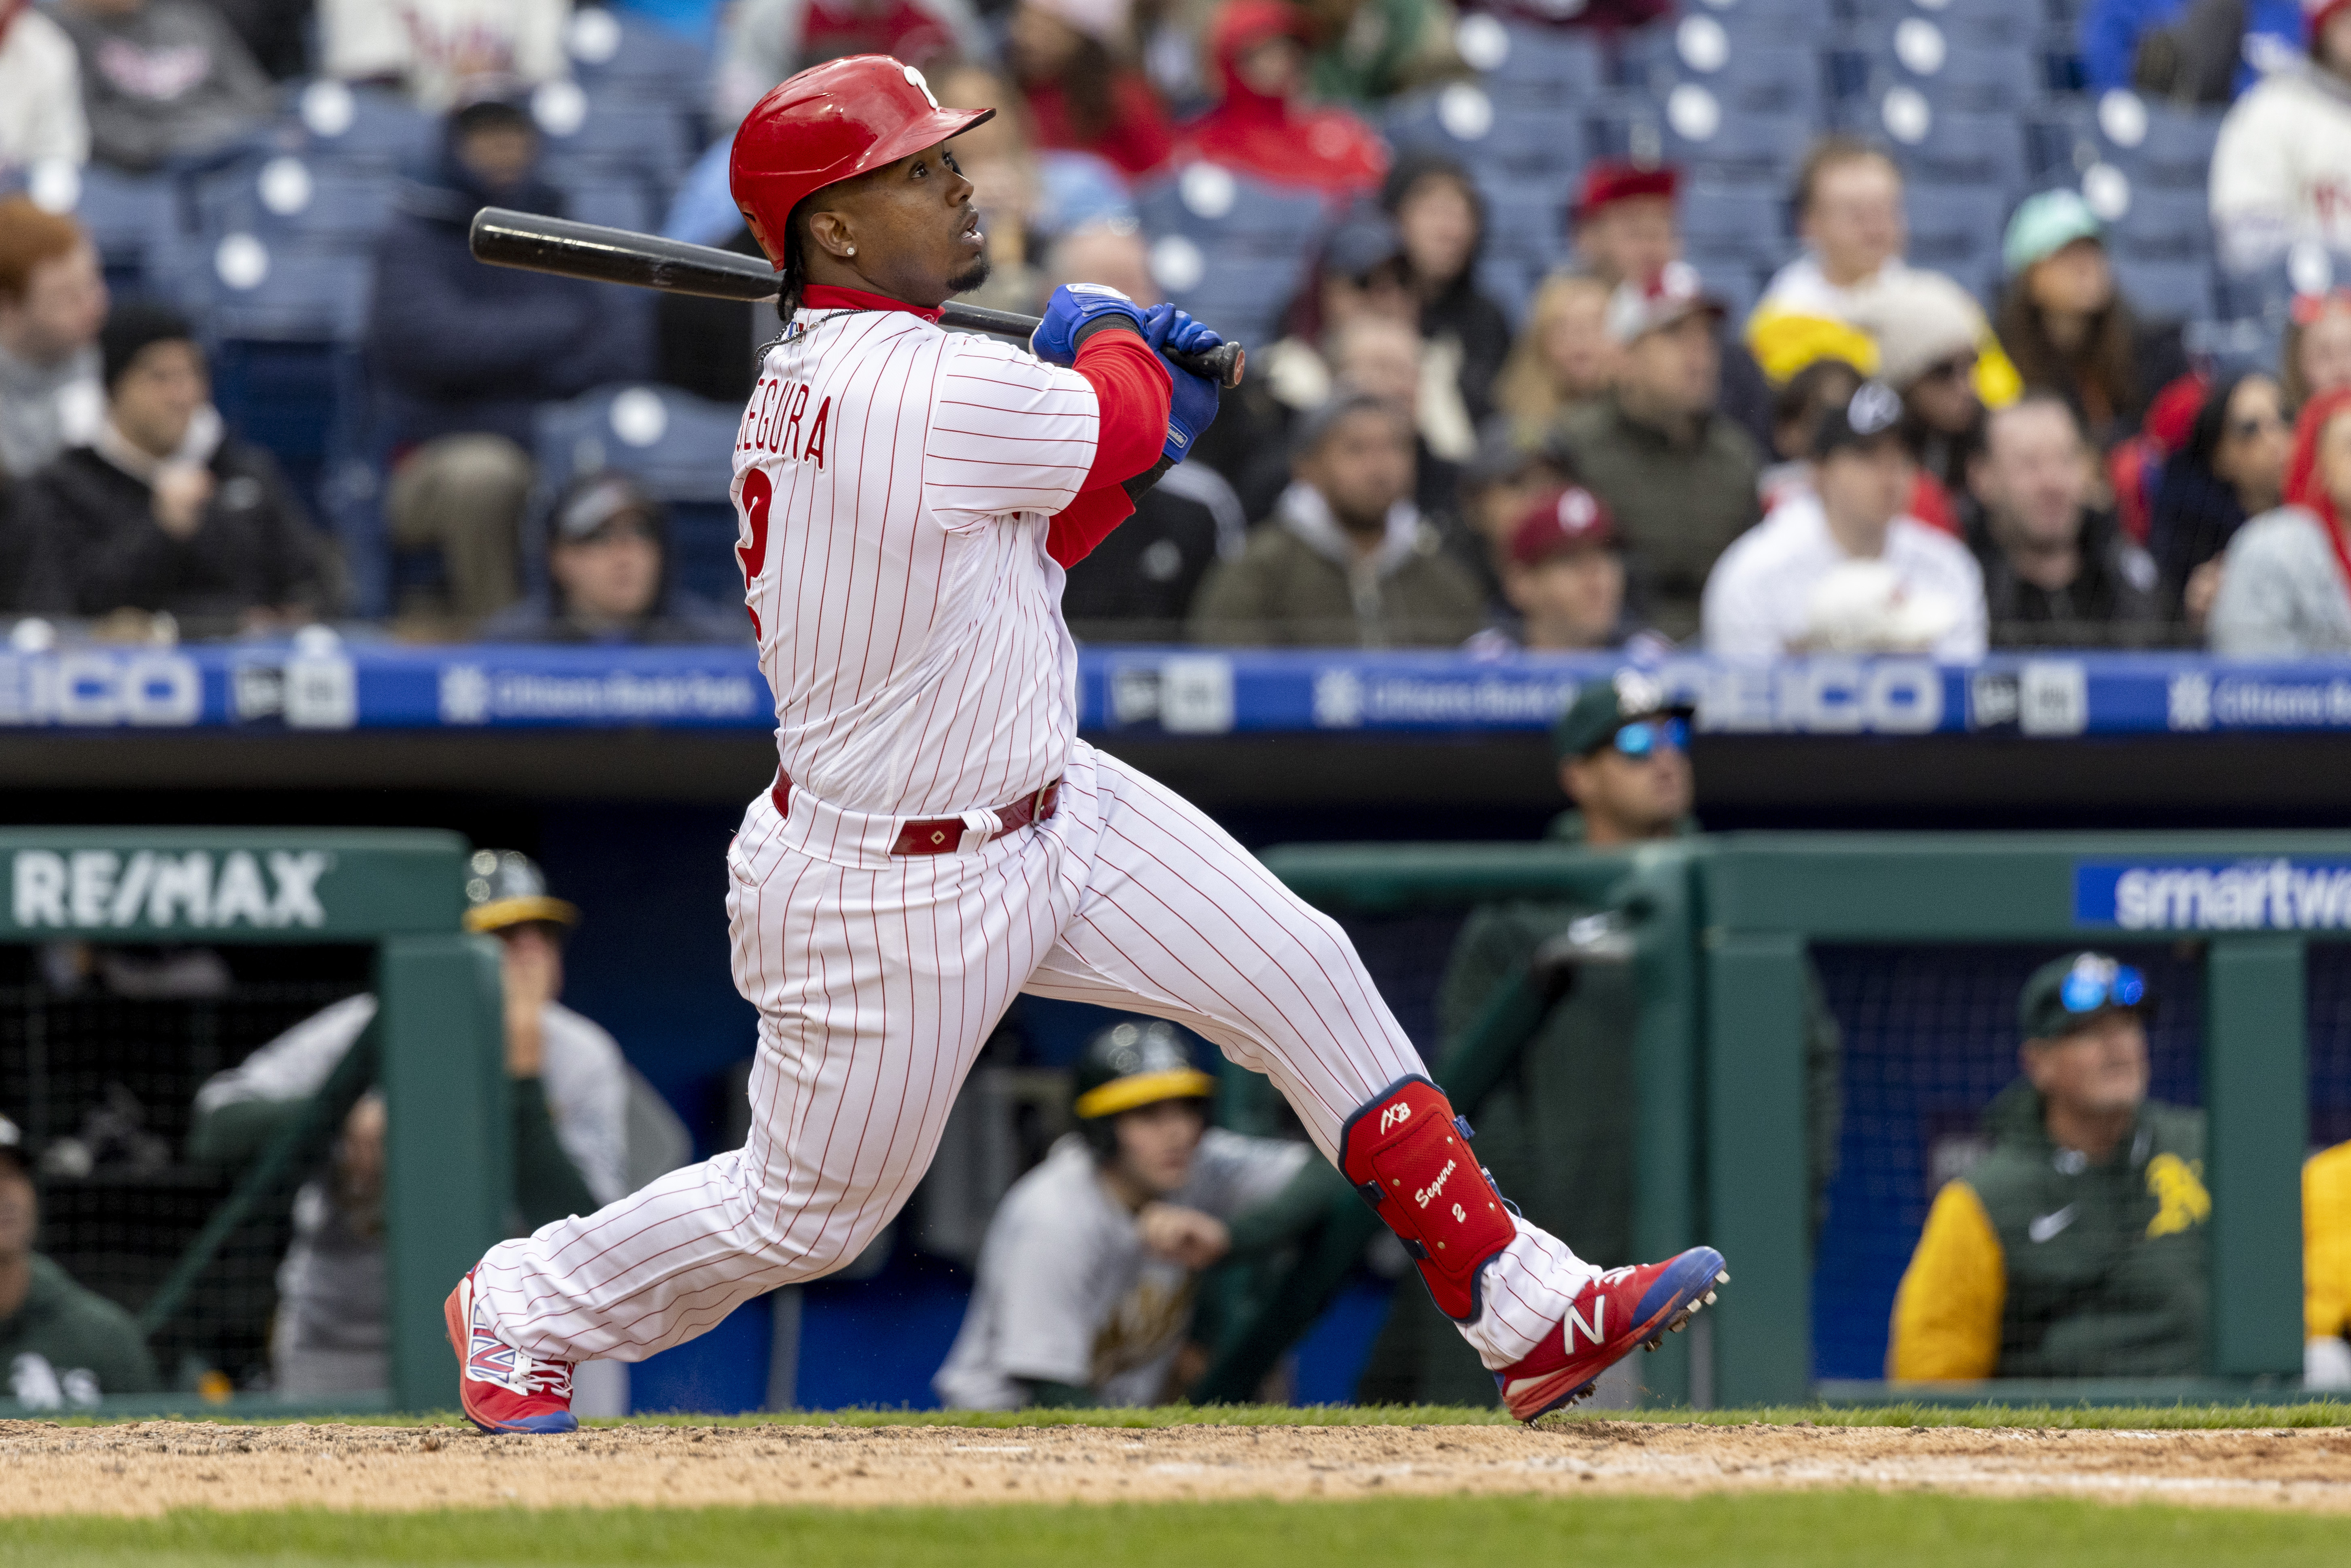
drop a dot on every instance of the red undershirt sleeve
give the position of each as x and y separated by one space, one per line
1133 389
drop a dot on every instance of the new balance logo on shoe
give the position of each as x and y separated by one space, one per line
1595 1330
2044 1227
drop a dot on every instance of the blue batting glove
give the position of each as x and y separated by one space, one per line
1191 407
1072 307
1171 330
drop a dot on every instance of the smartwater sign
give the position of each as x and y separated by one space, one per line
2266 894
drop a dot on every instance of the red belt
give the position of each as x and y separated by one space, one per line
943 835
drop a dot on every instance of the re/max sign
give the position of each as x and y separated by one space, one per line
101 889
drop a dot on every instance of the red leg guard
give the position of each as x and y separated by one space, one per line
1409 1157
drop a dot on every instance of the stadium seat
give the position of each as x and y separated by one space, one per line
1749 76
1529 66
1511 283
2060 139
328 121
679 446
1972 78
2155 144
616 53
591 137
2162 224
290 290
290 196
1229 248
1957 229
1773 19
621 203
1530 226
134 222
1997 21
1463 122
1951 148
1697 133
2181 290
1747 221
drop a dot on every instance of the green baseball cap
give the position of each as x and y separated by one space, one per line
2045 224
1603 707
2064 994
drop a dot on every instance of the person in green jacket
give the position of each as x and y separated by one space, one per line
1346 560
1558 1132
60 1343
2076 1247
1677 474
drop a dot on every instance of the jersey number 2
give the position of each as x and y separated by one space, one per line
758 495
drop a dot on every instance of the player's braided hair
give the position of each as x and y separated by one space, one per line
795 275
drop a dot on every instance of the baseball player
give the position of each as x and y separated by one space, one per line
939 838
1086 1281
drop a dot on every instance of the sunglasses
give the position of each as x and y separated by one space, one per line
1645 738
2088 989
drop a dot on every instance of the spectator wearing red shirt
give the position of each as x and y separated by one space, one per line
1263 125
1082 95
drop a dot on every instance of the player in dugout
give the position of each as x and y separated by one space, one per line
568 1089
2076 1247
60 1343
939 838
1091 1266
1557 1131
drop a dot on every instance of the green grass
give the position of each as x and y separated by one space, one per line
2143 1417
1821 1530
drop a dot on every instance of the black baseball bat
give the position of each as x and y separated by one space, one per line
534 243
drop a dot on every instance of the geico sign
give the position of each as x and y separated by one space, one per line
94 686
1816 695
98 888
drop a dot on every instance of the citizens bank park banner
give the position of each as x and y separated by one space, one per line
321 682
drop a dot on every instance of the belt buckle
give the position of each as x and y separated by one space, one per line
1037 801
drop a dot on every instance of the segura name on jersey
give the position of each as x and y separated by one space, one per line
99 889
772 421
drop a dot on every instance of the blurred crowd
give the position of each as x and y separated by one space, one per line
1866 455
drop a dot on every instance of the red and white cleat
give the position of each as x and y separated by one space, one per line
500 1388
1620 1309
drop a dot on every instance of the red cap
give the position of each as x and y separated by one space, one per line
830 123
1607 179
1560 520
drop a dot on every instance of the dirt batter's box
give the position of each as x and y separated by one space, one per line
382 910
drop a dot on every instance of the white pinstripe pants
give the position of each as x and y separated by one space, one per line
879 977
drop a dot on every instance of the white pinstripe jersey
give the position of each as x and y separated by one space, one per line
892 486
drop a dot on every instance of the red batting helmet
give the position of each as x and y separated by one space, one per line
832 122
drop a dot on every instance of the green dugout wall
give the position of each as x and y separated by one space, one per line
1722 927
436 1039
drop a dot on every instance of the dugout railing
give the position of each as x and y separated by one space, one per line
395 897
1722 928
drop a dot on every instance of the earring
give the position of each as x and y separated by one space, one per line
853 250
